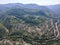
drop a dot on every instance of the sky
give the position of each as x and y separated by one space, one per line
39 2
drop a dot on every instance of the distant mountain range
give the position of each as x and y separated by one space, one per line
21 6
31 6
55 8
27 7
52 8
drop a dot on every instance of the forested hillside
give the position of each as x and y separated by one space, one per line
26 25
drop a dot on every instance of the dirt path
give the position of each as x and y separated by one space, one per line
56 30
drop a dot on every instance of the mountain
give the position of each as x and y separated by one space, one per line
28 24
29 6
21 6
31 9
55 8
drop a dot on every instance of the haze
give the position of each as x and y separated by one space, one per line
39 2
